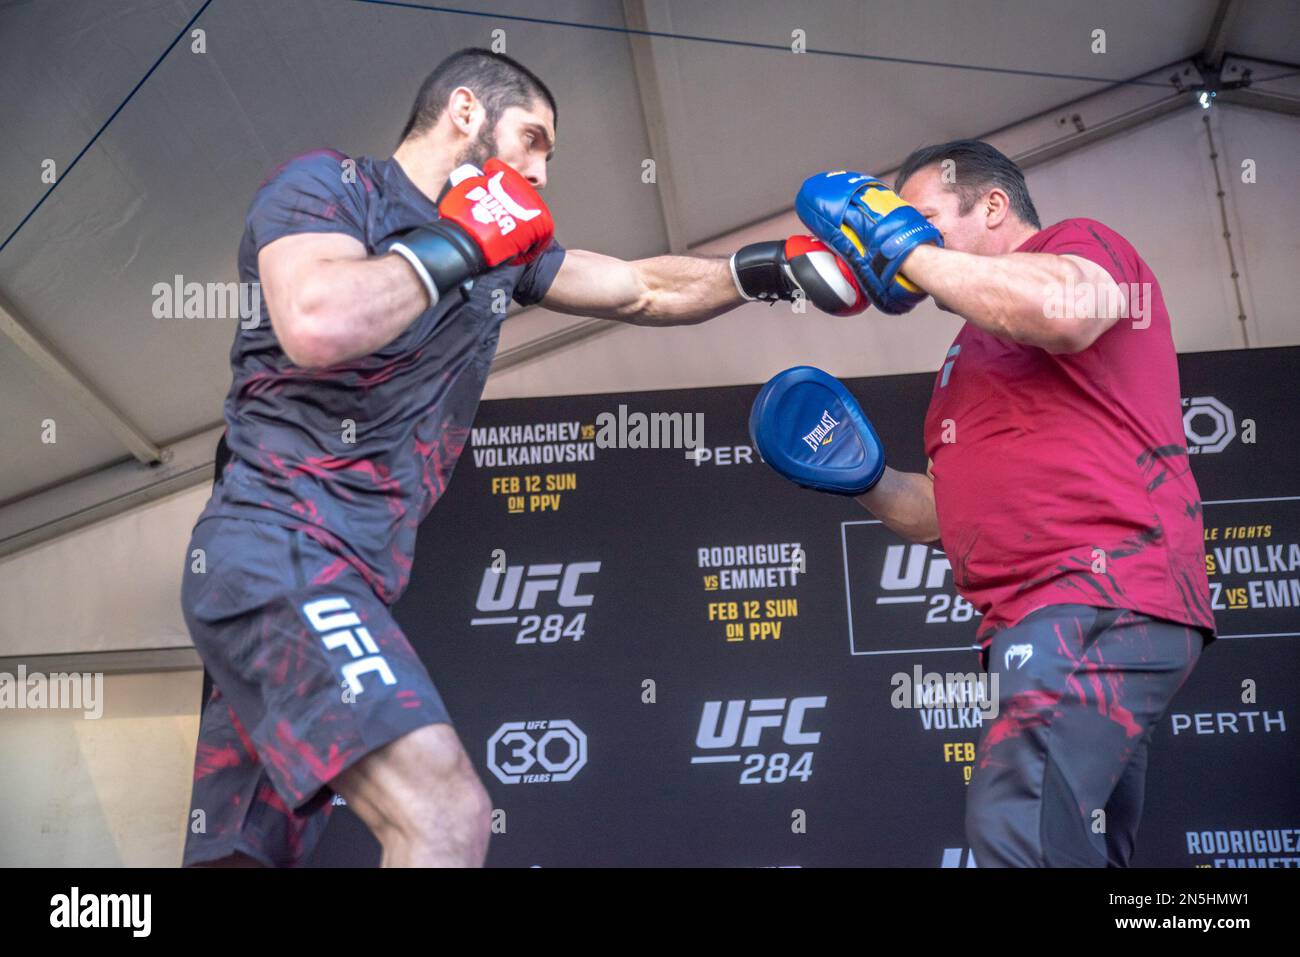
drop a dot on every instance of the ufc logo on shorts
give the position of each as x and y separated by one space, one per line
511 589
762 713
339 627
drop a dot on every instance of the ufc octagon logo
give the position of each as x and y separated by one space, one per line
537 752
1208 424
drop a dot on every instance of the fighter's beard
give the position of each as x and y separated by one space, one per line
481 150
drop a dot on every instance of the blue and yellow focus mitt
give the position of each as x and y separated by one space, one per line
871 228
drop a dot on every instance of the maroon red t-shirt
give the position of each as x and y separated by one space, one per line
1064 478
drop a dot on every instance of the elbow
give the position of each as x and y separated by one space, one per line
641 311
644 310
306 348
1047 326
308 334
1070 337
656 309
927 533
1065 345
1071 332
307 352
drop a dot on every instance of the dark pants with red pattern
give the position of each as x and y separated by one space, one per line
311 673
1061 771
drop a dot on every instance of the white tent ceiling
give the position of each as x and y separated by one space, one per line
169 156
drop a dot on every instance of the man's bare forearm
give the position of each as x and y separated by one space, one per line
353 307
904 501
1004 295
680 290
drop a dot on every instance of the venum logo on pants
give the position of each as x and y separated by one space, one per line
517 588
537 752
738 726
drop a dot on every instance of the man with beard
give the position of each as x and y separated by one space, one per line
384 286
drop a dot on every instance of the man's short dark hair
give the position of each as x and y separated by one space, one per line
977 168
497 80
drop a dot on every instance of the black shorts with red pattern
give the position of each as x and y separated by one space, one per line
310 674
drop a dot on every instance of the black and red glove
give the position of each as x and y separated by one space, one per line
798 266
486 218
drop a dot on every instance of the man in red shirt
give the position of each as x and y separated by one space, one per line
1058 485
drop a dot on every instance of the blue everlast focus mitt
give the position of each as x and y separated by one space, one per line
867 224
810 429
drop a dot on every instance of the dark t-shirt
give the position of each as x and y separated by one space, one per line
1064 478
355 455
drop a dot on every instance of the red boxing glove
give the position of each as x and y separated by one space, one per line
798 266
502 212
824 278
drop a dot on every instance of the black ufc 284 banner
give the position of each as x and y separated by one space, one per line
659 656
